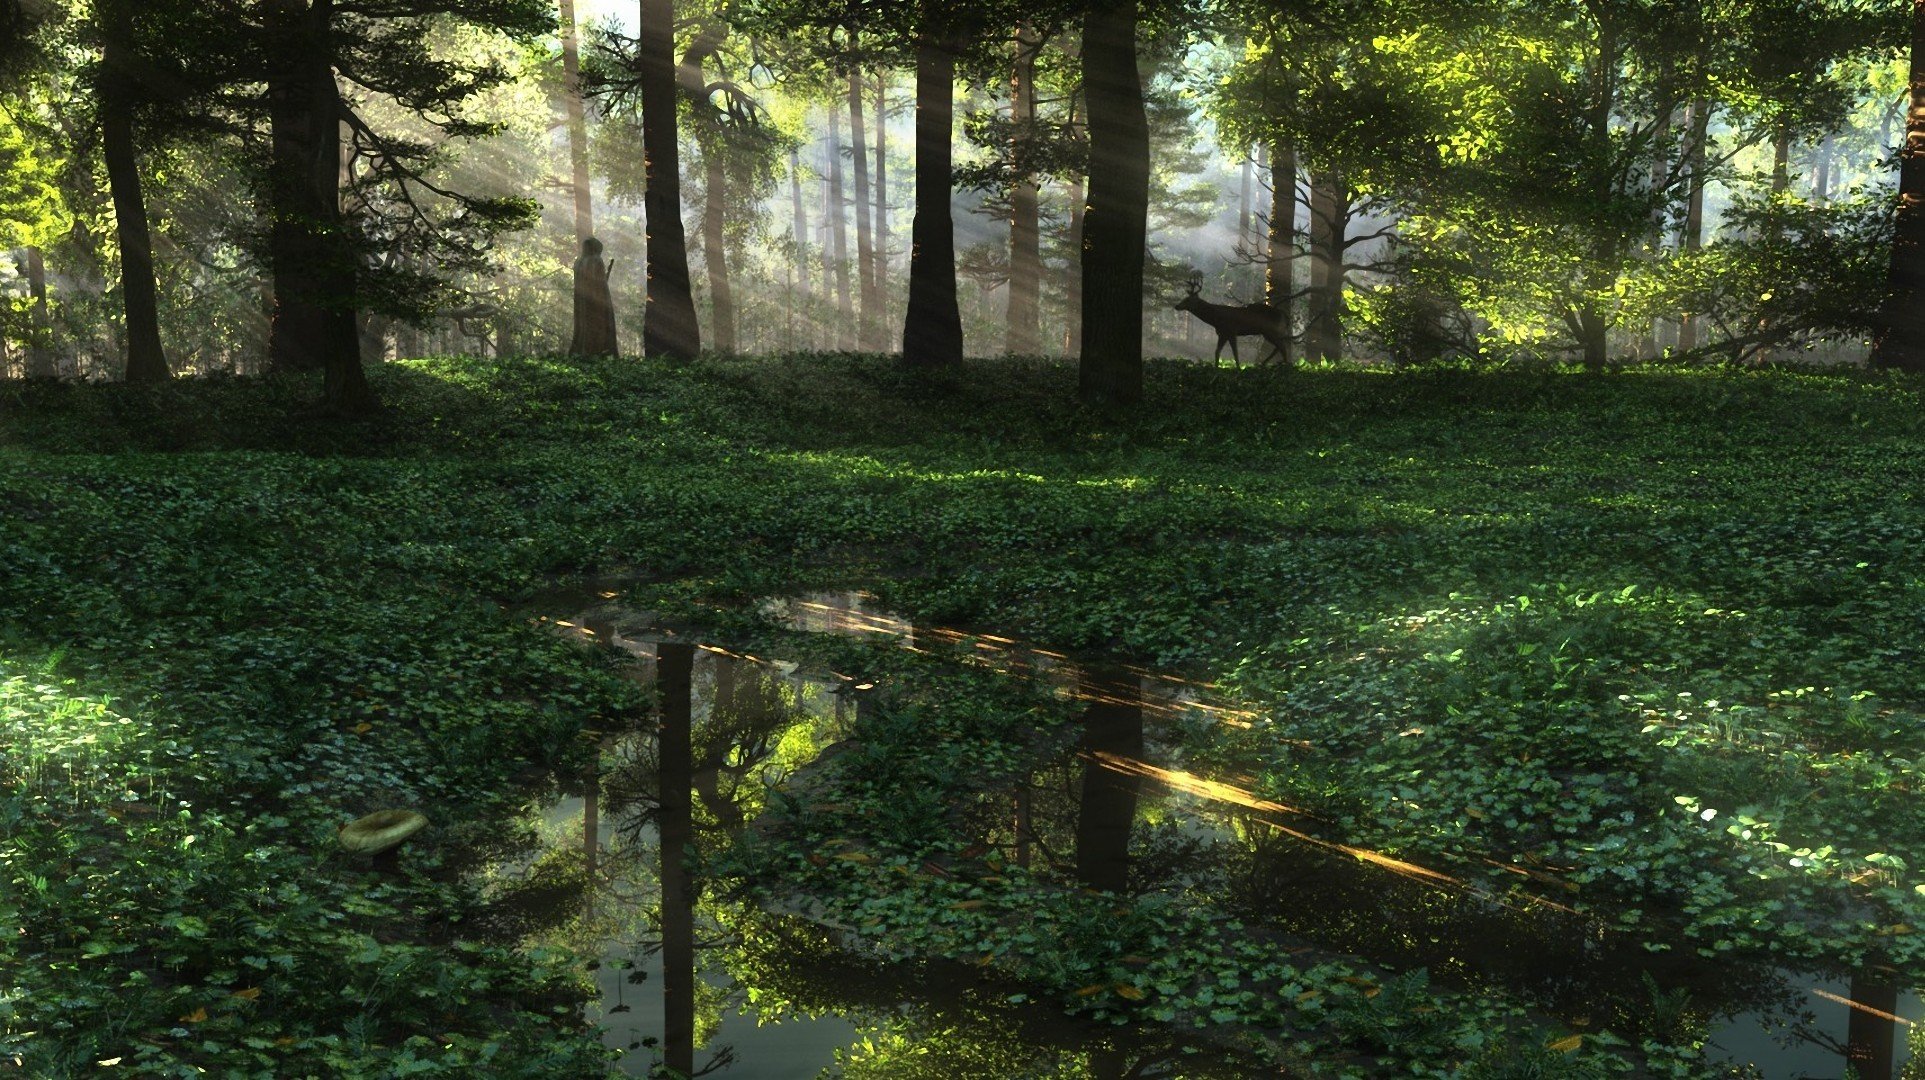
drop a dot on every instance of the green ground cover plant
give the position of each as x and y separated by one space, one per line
1653 638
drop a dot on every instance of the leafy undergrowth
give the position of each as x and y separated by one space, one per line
1654 637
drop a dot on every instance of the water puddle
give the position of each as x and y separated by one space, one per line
692 978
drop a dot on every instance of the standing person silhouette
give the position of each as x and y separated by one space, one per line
594 307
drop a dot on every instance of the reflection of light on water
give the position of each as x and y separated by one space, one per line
849 614
1860 1006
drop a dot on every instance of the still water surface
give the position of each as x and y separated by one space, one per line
705 981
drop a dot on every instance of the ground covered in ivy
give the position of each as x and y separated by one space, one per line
1647 644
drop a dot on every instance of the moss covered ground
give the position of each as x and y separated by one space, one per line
1653 638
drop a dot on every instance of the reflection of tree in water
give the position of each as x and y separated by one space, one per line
689 790
932 1021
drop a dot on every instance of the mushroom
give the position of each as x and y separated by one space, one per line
380 831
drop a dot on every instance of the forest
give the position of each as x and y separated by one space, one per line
673 538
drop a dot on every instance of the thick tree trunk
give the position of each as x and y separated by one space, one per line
799 213
577 126
1329 209
1900 340
1279 279
669 327
932 326
1693 238
1110 369
883 241
312 256
40 359
868 339
146 363
1023 334
839 236
715 245
344 381
298 326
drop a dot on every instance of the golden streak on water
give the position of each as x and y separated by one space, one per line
1861 1006
1217 791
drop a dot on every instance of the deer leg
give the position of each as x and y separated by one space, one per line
1217 360
1235 357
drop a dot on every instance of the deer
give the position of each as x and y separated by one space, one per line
1231 323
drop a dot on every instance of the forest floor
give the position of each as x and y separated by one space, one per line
1647 645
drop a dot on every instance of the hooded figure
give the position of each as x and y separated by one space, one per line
594 309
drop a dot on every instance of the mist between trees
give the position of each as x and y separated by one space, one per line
212 185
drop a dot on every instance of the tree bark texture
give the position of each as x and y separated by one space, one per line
1329 208
715 244
1073 275
1279 278
932 326
839 236
40 358
799 216
1023 334
1693 239
868 338
1243 204
146 363
882 207
1110 367
577 125
669 327
310 247
1900 340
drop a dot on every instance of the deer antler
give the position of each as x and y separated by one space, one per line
1195 285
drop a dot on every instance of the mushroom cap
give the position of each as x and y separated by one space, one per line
381 830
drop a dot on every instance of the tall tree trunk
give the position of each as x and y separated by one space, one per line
577 125
1821 171
313 258
1693 239
146 363
1900 340
1781 161
1243 204
1329 208
932 327
674 674
1115 227
839 236
40 360
1023 335
1073 275
344 381
715 245
867 337
1651 333
297 328
669 327
883 241
1279 277
799 218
